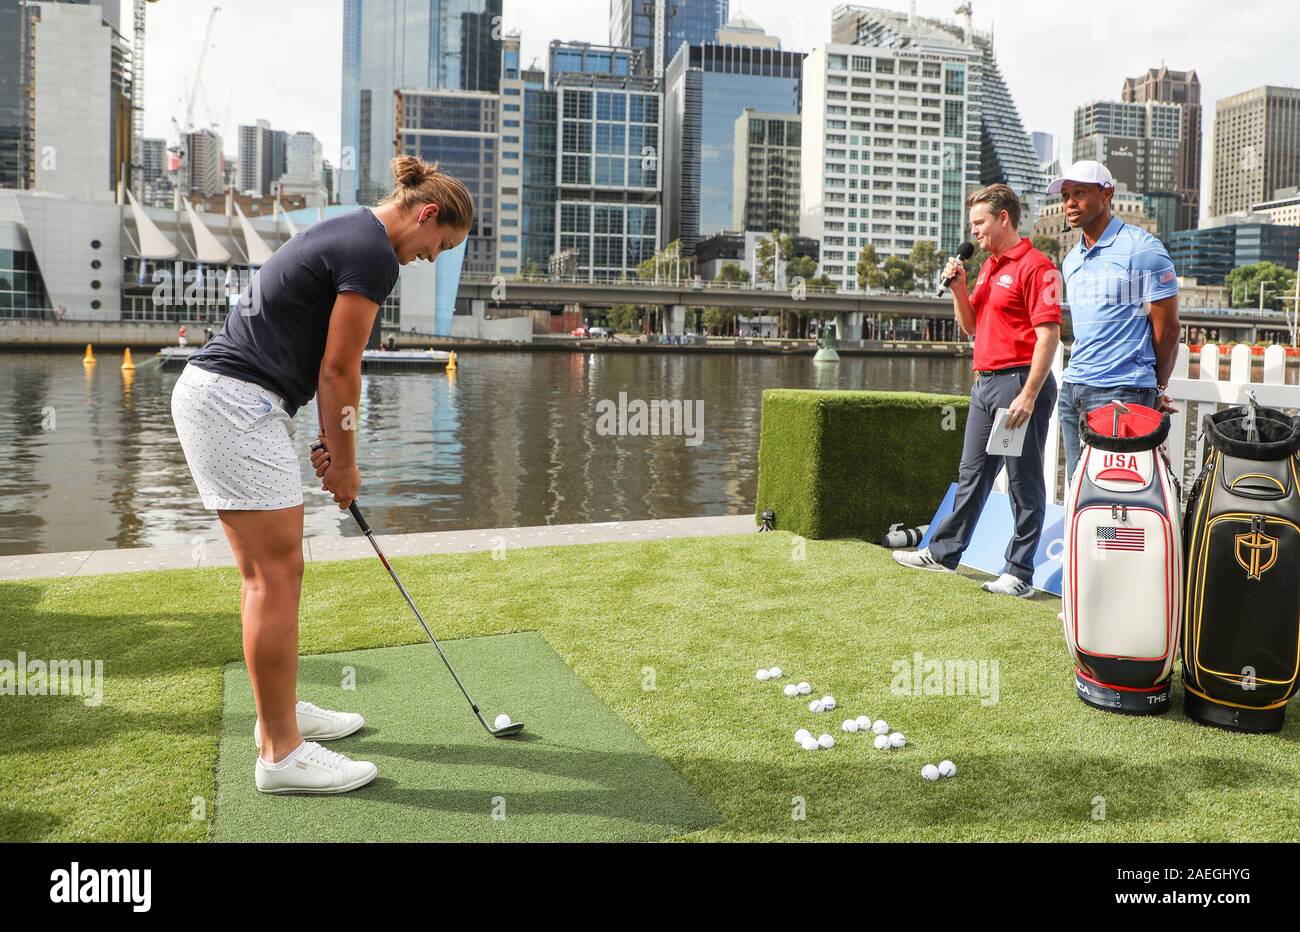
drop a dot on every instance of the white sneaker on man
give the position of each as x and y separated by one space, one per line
920 560
317 724
1006 584
315 770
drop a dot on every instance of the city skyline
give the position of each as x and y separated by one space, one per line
1246 51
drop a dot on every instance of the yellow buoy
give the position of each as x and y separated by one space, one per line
451 361
126 359
89 358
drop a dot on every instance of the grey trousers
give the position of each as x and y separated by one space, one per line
979 469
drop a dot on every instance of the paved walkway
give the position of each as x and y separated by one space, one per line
321 549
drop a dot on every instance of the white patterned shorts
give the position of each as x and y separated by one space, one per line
236 438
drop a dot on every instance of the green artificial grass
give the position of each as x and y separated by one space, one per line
851 464
577 773
667 634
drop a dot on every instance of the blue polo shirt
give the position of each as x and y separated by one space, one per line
1108 288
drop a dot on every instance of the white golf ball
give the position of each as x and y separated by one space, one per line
850 725
810 744
801 734
502 720
882 742
826 741
864 722
828 701
897 740
947 768
791 689
774 673
804 689
762 675
930 772
881 727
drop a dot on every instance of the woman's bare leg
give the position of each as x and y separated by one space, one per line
268 552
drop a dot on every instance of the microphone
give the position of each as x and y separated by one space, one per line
964 252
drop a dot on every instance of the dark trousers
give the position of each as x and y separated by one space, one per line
979 469
1091 397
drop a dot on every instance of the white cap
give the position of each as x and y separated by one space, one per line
1085 171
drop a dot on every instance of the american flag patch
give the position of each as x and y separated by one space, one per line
1121 538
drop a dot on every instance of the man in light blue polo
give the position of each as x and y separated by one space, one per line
1123 297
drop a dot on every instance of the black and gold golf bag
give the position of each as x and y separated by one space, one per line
1241 631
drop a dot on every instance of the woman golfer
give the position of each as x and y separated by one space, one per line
299 331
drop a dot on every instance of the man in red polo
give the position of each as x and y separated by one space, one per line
1014 315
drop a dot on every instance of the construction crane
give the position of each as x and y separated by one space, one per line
137 98
184 129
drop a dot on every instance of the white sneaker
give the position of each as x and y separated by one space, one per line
314 769
920 560
1006 584
317 724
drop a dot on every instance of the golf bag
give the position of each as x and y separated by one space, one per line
1242 631
1122 567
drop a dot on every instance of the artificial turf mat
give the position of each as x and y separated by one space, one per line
576 773
667 634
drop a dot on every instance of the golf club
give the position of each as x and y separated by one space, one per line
509 730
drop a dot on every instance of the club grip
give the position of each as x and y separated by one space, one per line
361 521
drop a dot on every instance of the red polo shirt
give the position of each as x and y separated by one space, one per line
1015 292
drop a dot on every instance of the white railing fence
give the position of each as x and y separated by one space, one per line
1194 396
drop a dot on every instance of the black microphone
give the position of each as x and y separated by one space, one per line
964 252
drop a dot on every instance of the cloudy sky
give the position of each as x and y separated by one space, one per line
279 60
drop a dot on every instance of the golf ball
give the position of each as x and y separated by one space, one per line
882 742
502 720
897 740
826 741
947 768
864 722
762 675
801 734
850 725
828 701
810 744
774 673
881 727
791 689
804 689
930 772
815 705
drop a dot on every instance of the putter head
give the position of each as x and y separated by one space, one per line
509 731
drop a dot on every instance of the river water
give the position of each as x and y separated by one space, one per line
89 460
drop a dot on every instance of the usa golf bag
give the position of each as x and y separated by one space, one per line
1242 629
1122 579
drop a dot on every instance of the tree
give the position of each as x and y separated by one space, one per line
869 274
625 318
1049 246
531 269
1244 283
926 262
898 274
732 272
719 320
804 267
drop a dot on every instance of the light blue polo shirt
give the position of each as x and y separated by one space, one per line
1108 288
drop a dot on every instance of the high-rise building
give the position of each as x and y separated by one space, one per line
1224 243
1184 89
541 165
204 166
1000 144
1044 146
766 172
1283 208
1140 144
459 131
890 148
661 27
304 170
610 142
510 176
1256 147
262 158
411 45
706 89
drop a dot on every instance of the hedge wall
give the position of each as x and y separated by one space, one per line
850 464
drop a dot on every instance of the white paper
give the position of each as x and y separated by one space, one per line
1003 441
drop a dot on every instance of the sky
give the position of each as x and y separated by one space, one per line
280 60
